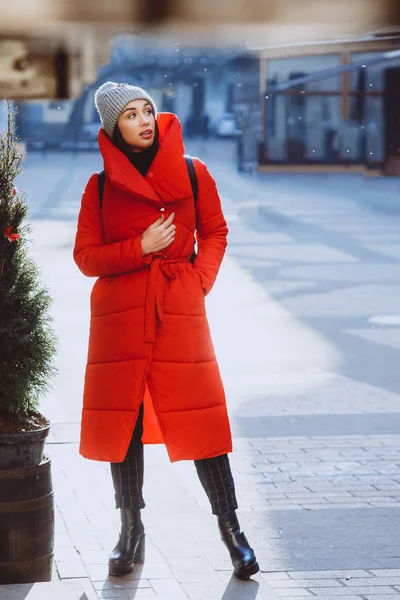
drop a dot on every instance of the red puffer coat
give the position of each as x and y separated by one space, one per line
149 335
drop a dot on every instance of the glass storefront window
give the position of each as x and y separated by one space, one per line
367 114
349 141
374 128
284 69
374 78
304 125
305 128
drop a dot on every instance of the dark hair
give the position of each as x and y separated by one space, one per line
119 141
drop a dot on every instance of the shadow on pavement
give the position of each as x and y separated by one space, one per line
241 590
16 592
115 585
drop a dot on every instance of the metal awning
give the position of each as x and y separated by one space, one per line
333 71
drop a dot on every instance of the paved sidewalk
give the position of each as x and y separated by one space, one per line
305 504
305 320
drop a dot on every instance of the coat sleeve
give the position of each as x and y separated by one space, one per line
94 257
211 226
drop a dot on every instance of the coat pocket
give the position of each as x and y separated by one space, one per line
184 294
199 279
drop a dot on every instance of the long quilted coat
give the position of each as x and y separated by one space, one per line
149 336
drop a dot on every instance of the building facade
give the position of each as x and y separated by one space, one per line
337 117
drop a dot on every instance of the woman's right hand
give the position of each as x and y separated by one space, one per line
159 235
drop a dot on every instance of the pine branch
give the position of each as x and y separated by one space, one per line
27 341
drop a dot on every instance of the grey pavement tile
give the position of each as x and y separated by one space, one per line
285 488
389 563
383 597
84 584
194 576
195 591
168 589
283 458
94 557
278 576
340 494
127 595
386 572
374 494
268 508
329 487
84 540
339 505
296 501
268 478
106 537
71 569
386 541
314 562
75 520
121 583
189 571
66 554
277 468
341 574
332 597
231 589
293 592
383 503
224 563
371 590
63 540
378 581
303 583
155 571
260 494
355 499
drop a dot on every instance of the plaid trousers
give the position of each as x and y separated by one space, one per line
214 473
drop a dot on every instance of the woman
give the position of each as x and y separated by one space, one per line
152 375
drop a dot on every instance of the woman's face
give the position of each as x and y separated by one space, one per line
137 125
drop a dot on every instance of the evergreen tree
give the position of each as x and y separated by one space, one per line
27 342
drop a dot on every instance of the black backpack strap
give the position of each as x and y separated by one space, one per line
192 177
195 189
100 183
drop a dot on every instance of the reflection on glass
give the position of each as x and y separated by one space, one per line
282 70
374 75
305 128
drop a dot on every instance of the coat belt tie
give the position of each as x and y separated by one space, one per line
160 270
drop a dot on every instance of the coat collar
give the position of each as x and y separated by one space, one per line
167 180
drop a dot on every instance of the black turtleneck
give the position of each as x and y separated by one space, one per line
140 160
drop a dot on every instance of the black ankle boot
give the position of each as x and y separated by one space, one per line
243 558
130 546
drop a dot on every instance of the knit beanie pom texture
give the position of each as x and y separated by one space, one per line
111 98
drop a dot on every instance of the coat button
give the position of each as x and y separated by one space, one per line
162 209
150 174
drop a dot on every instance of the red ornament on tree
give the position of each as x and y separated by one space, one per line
11 237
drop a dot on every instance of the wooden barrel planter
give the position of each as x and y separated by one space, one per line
26 518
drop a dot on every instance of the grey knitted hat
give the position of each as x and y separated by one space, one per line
111 98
